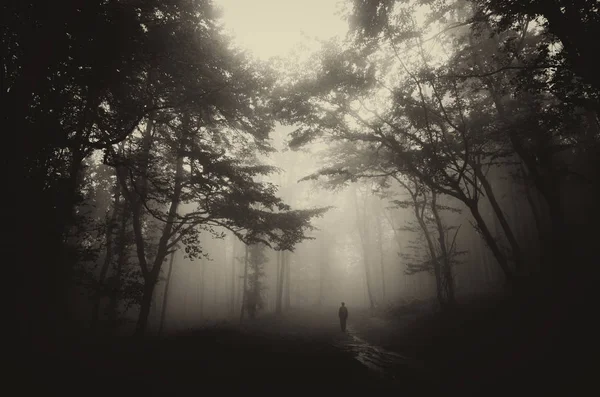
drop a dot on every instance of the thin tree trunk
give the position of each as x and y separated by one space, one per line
64 277
245 284
121 258
215 288
278 302
527 158
233 274
287 281
186 292
320 300
107 258
432 251
197 288
514 245
537 218
445 273
388 217
165 301
381 257
322 264
365 290
419 211
361 225
491 242
561 245
202 286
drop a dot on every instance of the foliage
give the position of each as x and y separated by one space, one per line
491 95
80 77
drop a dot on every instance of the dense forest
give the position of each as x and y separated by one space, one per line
160 178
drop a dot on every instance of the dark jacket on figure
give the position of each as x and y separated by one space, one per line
343 312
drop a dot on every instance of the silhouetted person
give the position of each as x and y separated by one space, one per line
343 315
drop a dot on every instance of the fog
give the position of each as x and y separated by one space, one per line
373 195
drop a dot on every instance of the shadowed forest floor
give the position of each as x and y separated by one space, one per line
493 346
262 356
474 350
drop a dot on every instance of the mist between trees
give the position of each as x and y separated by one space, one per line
160 178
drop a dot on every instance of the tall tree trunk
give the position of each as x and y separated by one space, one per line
542 174
110 224
197 289
232 281
233 277
381 256
115 286
278 302
202 287
165 301
419 207
287 281
151 275
389 218
361 226
446 272
366 300
491 242
64 276
145 307
136 200
322 264
186 292
514 245
431 247
215 288
245 286
535 212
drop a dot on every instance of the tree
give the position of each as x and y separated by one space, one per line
445 120
326 241
380 238
442 251
572 23
165 301
220 186
544 94
255 288
361 227
65 93
282 297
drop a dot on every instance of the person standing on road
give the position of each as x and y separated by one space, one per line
343 315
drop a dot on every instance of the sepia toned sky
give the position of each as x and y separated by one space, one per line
274 27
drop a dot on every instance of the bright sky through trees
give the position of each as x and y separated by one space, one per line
270 28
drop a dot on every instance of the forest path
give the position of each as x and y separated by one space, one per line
388 366
301 350
271 353
385 363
